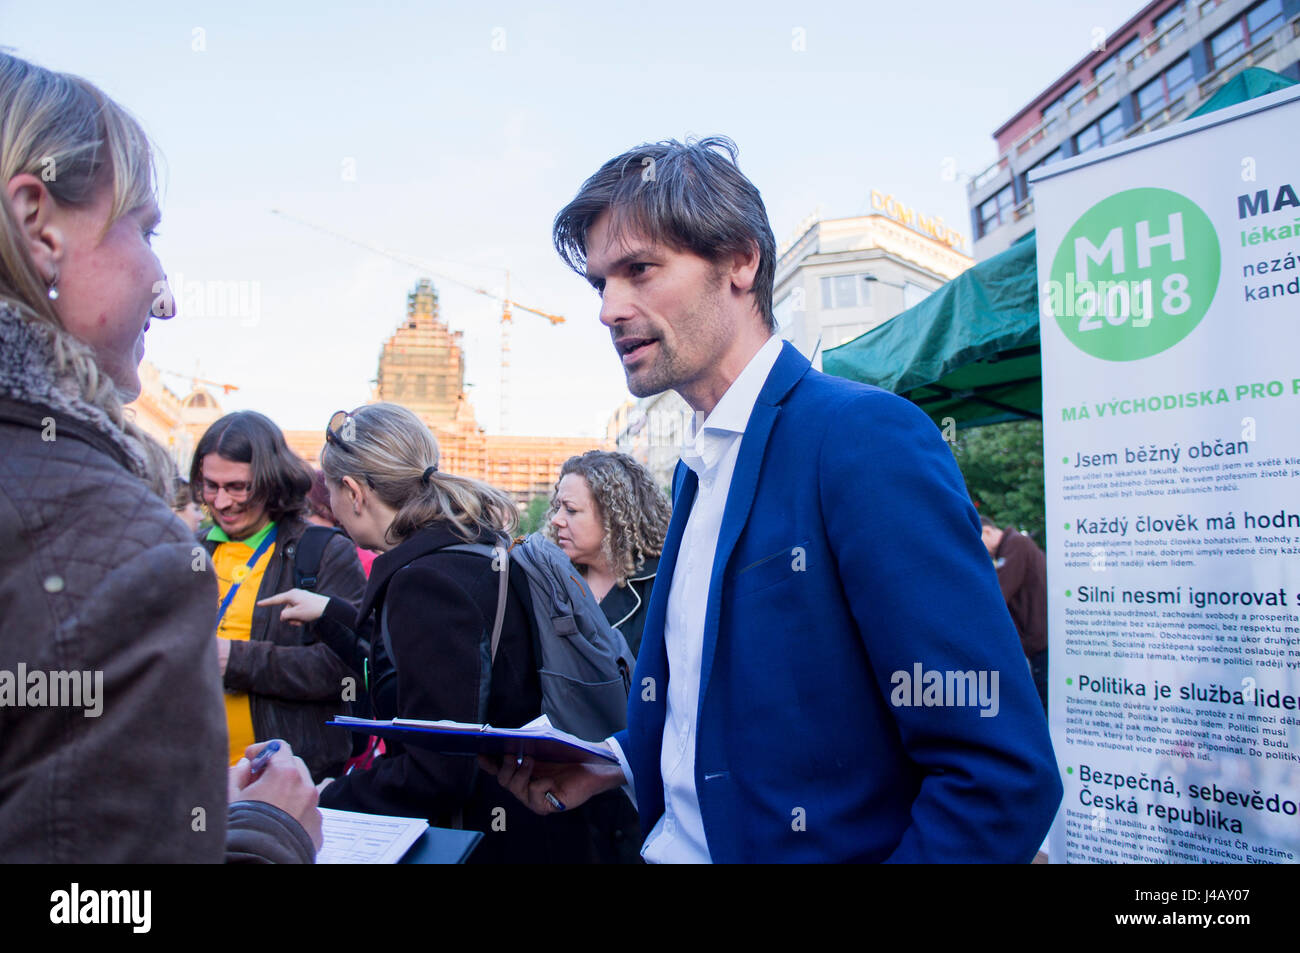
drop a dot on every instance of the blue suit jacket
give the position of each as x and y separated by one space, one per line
849 551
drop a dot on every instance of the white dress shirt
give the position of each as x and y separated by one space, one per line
678 837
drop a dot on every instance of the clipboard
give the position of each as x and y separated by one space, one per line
538 740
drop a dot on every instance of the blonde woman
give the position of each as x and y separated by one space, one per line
98 579
438 606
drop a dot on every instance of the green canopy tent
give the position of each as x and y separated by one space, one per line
970 351
1247 84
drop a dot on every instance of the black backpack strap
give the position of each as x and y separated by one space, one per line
310 550
500 551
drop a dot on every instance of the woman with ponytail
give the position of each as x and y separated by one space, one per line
100 590
438 606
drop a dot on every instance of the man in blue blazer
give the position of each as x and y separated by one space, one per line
828 671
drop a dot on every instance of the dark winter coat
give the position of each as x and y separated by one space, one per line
440 609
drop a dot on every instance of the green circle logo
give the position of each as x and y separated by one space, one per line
1135 274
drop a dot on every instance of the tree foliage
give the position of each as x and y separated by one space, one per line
1003 467
534 515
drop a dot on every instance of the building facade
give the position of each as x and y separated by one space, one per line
843 277
1157 68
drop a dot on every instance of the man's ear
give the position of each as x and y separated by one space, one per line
34 210
742 268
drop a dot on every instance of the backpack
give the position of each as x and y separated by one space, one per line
306 567
307 557
584 663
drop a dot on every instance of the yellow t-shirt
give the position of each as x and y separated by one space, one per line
230 560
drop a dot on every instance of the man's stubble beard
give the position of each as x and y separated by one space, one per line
669 372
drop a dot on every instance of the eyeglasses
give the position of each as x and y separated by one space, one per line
340 430
239 492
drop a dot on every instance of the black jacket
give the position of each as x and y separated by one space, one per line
625 606
440 608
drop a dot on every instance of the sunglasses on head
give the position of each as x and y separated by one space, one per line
339 431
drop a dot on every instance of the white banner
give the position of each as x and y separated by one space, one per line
1169 268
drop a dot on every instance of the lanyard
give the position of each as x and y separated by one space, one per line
252 561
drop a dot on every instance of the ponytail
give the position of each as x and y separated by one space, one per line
391 448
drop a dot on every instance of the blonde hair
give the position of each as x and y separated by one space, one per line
65 131
633 510
390 449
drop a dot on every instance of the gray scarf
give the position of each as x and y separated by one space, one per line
27 374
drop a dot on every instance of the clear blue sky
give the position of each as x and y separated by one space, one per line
465 130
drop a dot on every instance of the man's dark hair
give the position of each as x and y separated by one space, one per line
281 480
690 197
985 521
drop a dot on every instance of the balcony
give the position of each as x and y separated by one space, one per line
1172 111
1153 43
1266 47
989 174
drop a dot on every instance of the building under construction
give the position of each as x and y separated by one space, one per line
422 367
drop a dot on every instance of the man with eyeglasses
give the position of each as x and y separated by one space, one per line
281 681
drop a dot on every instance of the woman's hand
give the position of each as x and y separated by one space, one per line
299 605
284 782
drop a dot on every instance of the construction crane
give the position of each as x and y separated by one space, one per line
507 303
195 380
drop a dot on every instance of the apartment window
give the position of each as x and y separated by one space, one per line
1171 16
913 294
1055 155
1165 88
996 210
1058 104
1105 71
1103 132
845 291
1258 23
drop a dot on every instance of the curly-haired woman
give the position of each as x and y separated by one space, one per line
610 518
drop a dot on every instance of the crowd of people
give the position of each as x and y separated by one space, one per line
766 607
